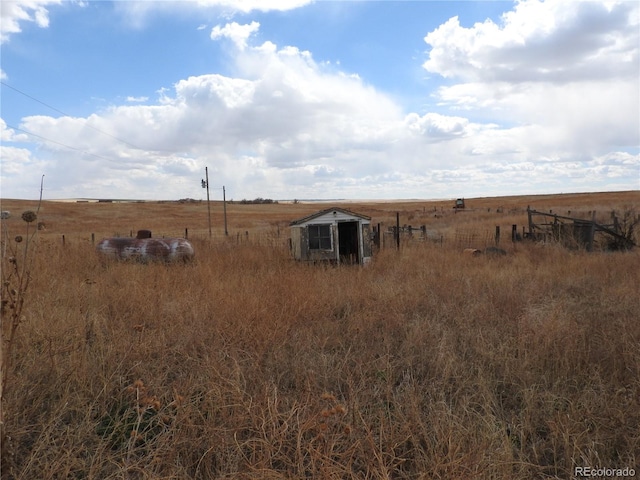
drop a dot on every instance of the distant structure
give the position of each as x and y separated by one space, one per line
333 235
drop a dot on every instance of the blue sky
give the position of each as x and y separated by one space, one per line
292 99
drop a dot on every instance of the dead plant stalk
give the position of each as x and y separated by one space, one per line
16 277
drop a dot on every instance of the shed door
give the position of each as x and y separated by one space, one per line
348 242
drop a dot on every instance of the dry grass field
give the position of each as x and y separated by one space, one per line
425 364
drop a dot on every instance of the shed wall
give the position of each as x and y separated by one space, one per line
297 242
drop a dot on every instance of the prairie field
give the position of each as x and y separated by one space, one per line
424 364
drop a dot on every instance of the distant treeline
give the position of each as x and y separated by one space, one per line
256 201
244 201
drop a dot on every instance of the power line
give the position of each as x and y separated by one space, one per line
33 98
85 152
67 115
59 143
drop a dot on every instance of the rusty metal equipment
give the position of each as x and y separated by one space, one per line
145 249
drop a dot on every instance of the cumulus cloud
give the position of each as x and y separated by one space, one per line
281 121
137 12
436 126
281 118
566 72
247 6
13 160
14 13
132 99
551 41
237 33
8 134
19 165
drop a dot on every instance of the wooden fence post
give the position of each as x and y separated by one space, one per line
592 232
497 235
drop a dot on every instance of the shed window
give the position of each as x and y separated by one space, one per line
320 237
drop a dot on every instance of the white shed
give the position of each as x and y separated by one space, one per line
334 235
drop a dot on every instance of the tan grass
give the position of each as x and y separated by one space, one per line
246 364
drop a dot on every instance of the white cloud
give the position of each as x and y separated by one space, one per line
132 99
566 73
282 119
9 134
15 12
237 33
552 41
436 126
19 167
135 13
247 6
281 124
13 160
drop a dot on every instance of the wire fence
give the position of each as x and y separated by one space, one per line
459 238
279 238
264 238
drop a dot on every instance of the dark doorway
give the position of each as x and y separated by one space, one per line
348 242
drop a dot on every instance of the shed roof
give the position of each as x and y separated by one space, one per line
328 210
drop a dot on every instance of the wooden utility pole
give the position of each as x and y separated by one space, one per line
224 203
205 183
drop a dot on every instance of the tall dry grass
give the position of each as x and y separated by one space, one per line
246 364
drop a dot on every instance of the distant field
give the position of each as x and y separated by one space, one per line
171 218
425 364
